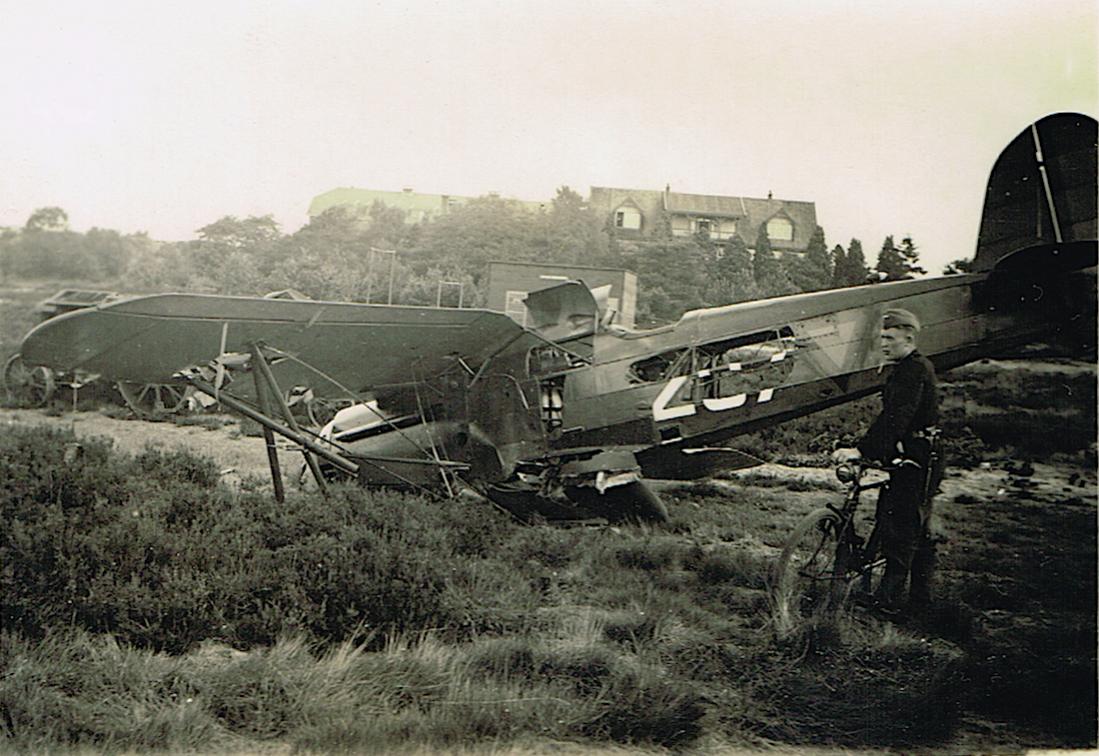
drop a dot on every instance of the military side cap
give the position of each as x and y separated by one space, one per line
900 319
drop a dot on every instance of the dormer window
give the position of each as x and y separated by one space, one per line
627 218
780 229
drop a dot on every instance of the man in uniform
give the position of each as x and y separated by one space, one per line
905 437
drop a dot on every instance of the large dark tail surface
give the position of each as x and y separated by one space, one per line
1041 198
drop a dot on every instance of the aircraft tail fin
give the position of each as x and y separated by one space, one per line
1042 194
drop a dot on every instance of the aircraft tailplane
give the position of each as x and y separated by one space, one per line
1040 204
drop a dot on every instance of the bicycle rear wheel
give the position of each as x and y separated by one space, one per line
807 577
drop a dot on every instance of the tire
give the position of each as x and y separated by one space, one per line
808 576
25 384
154 401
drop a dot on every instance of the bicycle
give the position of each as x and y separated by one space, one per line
825 557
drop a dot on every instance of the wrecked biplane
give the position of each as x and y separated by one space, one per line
567 417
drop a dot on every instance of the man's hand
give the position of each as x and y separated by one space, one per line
841 456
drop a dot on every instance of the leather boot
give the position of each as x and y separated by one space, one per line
891 587
923 569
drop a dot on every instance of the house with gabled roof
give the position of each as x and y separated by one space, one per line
641 213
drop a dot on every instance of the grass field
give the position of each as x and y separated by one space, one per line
147 605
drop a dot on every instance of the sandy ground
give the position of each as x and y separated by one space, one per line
243 457
239 457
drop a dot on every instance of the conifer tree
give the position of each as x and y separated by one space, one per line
813 270
857 270
890 261
766 270
733 277
910 256
839 267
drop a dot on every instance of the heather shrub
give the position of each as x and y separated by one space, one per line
153 550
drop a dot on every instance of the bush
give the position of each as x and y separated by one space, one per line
153 550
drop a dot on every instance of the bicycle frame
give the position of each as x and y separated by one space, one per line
852 549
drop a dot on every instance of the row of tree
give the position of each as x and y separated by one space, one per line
46 248
371 254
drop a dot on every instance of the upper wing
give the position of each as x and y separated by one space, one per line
357 346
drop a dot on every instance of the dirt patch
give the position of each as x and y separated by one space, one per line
240 458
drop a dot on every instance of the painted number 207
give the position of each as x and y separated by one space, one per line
662 410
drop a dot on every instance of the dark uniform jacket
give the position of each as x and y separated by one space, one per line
909 404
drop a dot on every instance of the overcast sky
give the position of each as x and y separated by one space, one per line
888 115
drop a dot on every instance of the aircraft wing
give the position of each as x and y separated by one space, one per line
149 339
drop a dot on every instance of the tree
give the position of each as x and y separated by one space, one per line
813 270
483 229
108 251
387 228
235 256
672 277
249 232
900 263
956 267
856 270
766 270
731 278
910 255
890 262
47 219
839 267
572 232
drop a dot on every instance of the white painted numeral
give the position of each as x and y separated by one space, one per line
661 410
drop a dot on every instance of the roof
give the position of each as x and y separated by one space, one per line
705 204
802 214
408 201
749 212
607 199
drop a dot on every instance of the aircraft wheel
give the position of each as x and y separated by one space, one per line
32 385
634 502
154 401
808 577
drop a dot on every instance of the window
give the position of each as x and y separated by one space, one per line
515 308
704 226
627 218
780 229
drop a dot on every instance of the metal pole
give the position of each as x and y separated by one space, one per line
288 416
269 440
302 440
439 292
238 406
369 273
392 272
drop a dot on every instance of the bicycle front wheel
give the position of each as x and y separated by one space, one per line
807 577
